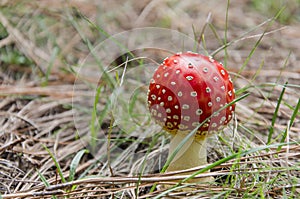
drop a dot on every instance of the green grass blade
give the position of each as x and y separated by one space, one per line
296 111
251 52
93 126
240 38
258 41
200 39
109 80
217 196
225 33
51 63
152 144
74 164
257 72
107 35
218 38
59 170
271 130
44 180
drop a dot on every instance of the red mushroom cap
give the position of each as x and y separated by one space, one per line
186 89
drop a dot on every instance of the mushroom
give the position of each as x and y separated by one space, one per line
186 90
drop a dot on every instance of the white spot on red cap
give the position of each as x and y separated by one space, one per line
185 106
182 127
173 83
189 78
195 124
179 94
193 93
170 98
157 86
153 97
208 90
186 118
209 104
169 125
205 125
199 111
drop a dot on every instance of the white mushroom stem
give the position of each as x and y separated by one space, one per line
192 154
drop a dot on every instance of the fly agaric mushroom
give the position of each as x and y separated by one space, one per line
185 90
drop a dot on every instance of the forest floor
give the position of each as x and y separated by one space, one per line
72 125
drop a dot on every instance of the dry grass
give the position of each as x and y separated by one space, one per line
37 103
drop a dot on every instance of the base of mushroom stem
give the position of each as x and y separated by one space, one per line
191 154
